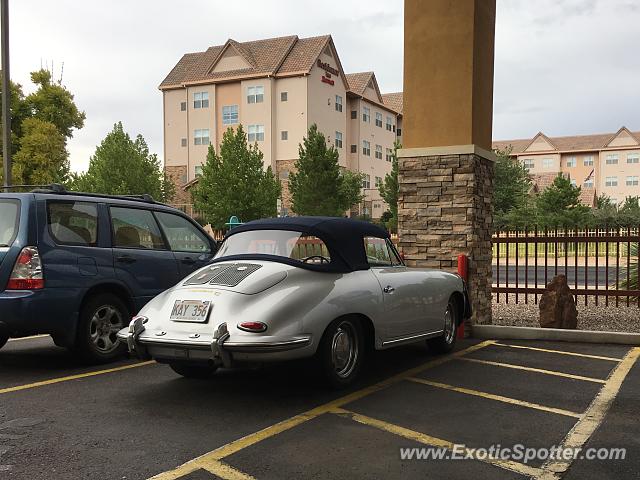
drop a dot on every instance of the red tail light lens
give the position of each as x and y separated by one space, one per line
27 272
255 327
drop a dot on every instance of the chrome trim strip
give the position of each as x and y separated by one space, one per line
248 347
412 338
177 343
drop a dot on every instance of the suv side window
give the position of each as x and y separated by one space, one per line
377 252
182 235
73 223
135 228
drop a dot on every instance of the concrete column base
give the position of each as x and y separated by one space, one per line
445 209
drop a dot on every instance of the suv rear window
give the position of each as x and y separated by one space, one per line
73 223
9 218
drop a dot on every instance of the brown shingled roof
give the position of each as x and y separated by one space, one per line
393 100
358 81
575 142
272 56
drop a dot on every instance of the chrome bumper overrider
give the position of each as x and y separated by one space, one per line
220 347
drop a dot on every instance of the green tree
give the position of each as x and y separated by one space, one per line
512 186
559 205
390 189
319 186
629 211
122 166
234 182
42 157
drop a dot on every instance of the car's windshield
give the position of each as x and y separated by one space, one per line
280 243
9 216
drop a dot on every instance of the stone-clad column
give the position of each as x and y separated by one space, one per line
445 205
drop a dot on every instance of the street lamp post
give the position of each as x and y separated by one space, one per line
6 94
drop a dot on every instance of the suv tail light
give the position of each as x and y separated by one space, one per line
27 272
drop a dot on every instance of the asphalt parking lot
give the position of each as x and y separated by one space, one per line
140 420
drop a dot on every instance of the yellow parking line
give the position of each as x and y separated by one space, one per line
531 369
208 460
592 418
227 472
498 398
561 352
73 377
434 441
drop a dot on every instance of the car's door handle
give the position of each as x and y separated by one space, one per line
125 259
188 261
388 289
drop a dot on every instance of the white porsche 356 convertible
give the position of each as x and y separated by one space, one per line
289 288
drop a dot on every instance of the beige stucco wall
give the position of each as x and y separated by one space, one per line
175 127
259 114
581 171
200 118
539 163
622 170
290 116
227 94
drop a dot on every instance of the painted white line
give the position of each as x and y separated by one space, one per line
32 337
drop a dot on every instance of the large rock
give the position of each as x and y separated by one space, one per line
557 305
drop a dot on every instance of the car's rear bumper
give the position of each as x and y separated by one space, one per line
219 350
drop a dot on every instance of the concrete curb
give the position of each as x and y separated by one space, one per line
498 332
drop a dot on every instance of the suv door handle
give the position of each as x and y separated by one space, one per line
125 259
188 261
388 289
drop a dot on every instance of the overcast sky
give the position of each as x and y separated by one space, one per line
563 67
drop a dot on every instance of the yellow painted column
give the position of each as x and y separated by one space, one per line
446 166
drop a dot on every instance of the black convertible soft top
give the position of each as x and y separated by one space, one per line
342 236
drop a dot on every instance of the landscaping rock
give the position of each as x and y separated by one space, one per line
557 306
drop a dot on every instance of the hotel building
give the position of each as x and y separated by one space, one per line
277 88
607 163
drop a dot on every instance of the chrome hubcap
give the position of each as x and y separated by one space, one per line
344 349
449 326
104 326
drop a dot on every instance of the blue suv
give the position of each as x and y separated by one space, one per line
77 266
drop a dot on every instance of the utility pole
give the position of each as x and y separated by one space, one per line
6 94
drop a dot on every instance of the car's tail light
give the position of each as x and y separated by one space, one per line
27 272
256 327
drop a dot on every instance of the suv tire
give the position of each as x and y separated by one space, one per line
101 317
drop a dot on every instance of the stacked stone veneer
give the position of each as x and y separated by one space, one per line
285 166
445 209
178 176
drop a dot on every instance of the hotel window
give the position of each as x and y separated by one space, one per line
198 170
588 161
612 159
284 135
611 181
573 182
632 181
338 139
389 155
338 103
183 106
201 100
366 148
366 114
547 163
378 181
366 181
588 183
201 137
379 152
354 114
378 119
571 162
183 142
633 158
255 133
284 96
255 94
389 124
399 132
230 114
354 148
529 163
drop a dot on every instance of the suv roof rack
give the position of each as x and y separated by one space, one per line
59 189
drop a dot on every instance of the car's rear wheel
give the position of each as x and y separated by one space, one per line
101 317
341 351
193 371
445 342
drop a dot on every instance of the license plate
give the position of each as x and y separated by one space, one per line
190 311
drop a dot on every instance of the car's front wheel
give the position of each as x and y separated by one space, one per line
101 317
193 371
445 342
341 351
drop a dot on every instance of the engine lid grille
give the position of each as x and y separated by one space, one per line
228 275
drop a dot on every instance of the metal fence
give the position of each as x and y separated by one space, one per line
598 263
